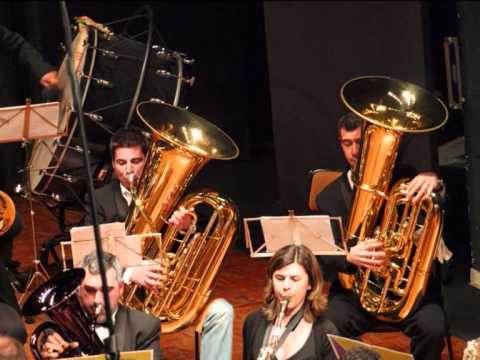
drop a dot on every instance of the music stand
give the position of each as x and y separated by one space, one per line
128 249
28 122
313 231
24 123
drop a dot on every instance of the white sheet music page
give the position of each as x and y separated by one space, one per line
315 232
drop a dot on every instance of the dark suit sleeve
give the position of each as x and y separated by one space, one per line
12 324
24 53
415 156
253 327
330 203
149 338
247 333
322 343
101 213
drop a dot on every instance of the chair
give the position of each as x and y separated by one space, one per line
319 180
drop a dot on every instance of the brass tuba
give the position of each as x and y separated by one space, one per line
57 297
181 145
410 233
7 213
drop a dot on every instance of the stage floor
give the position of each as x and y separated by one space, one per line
240 281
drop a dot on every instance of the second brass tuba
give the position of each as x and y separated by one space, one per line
410 233
182 143
57 297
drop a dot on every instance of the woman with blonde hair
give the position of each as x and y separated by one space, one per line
300 332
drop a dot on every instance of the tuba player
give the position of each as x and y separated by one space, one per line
128 149
426 324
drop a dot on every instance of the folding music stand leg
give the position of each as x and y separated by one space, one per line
38 271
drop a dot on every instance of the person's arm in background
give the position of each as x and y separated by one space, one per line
27 56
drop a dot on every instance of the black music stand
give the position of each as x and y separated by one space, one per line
25 123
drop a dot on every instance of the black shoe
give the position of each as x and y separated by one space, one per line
12 265
18 280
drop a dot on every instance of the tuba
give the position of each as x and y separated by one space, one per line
58 299
410 233
7 213
181 144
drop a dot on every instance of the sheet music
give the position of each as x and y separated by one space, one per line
36 121
314 231
128 249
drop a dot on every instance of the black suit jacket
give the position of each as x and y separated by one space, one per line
136 330
24 53
256 324
111 205
335 200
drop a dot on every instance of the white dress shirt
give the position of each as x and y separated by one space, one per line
102 331
127 194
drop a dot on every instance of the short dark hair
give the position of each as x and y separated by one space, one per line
316 299
349 122
127 138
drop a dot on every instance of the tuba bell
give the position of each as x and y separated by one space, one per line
409 232
7 213
57 297
182 143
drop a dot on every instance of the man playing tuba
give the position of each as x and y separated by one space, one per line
426 324
128 148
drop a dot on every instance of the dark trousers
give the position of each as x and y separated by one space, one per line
425 326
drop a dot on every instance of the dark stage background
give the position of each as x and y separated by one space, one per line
269 74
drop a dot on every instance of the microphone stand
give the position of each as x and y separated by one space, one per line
110 342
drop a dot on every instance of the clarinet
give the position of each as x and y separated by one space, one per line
271 344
